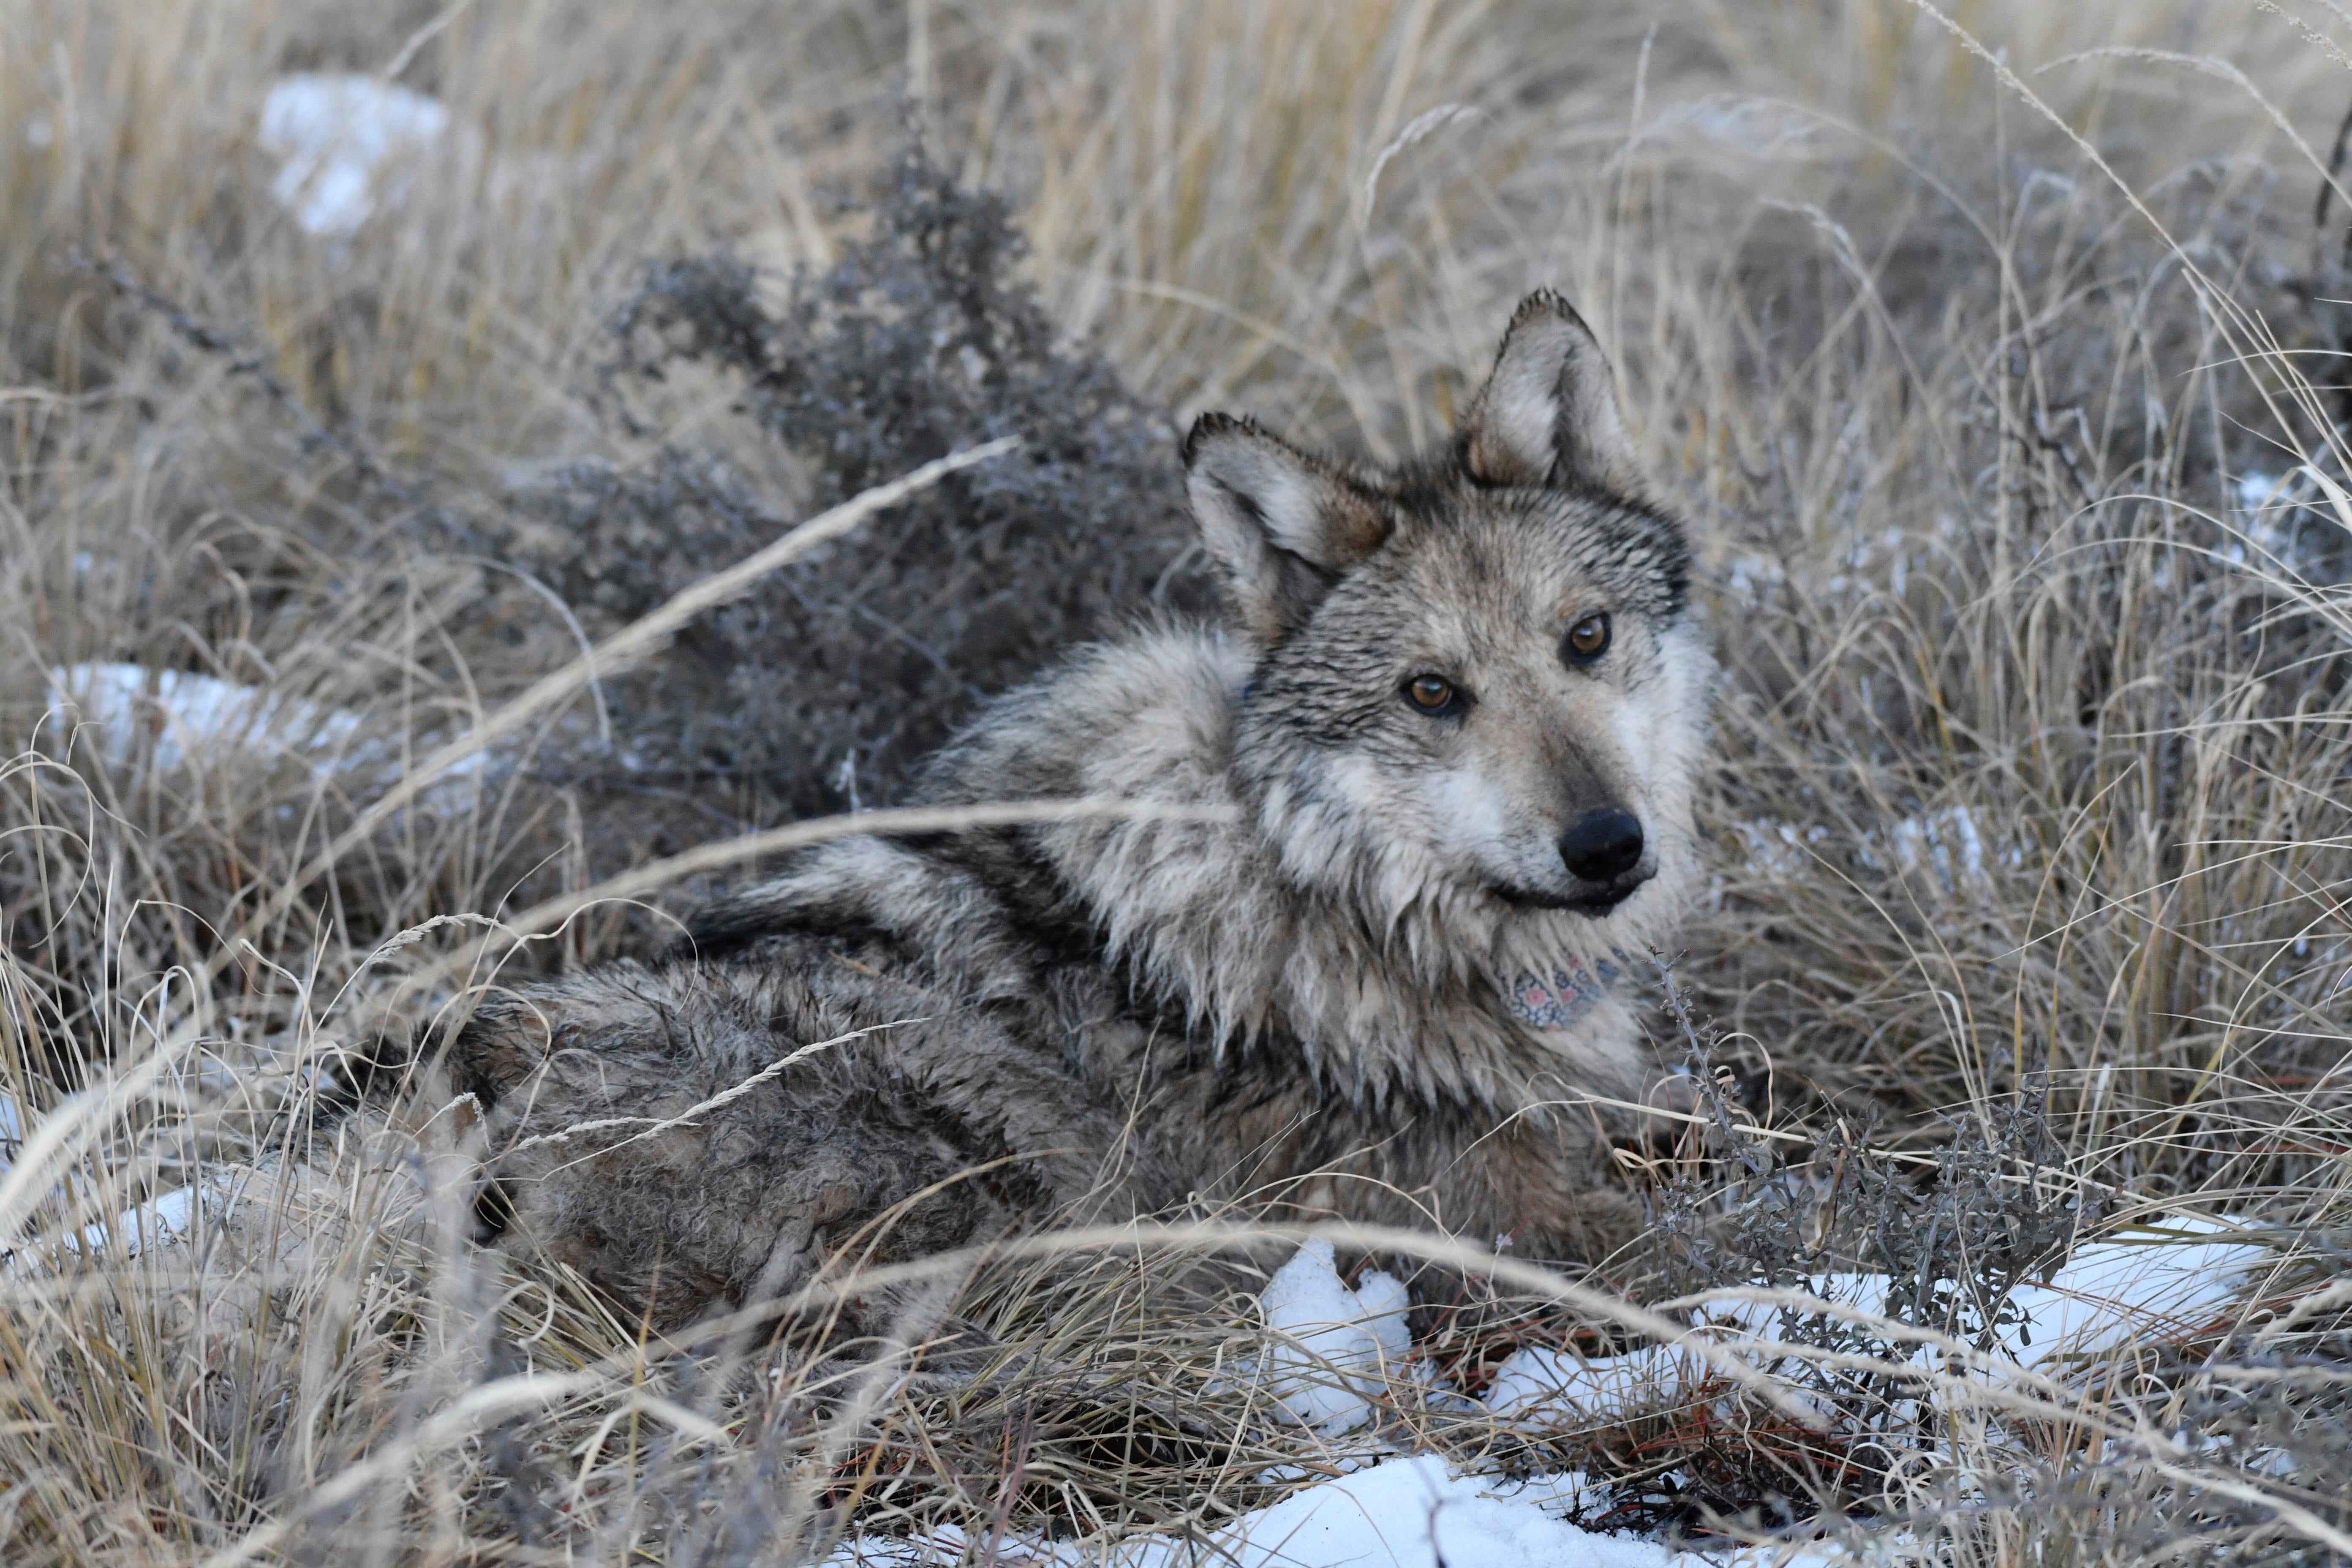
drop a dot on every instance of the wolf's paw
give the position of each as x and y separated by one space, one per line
845 1209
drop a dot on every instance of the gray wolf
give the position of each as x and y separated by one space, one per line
1454 715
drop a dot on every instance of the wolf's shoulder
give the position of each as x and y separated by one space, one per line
1126 718
1146 718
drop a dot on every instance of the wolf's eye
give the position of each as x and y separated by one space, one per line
1432 694
1589 639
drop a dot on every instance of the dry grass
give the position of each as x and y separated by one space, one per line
1960 411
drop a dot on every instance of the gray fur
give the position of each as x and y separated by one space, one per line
1376 990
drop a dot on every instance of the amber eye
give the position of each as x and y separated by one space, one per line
1431 693
1589 639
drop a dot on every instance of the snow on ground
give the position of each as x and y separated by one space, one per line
191 716
166 1217
340 140
159 1221
1334 1347
1335 1350
2155 1284
156 1221
2109 1294
1405 1512
1946 847
1408 1510
2284 520
1776 848
195 718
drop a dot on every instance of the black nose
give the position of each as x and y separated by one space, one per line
1602 845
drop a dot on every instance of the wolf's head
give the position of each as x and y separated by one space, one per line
1479 694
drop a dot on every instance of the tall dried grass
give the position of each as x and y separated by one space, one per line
1960 356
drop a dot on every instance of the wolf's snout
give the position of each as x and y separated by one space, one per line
1602 846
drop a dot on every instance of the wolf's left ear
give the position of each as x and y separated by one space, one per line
1281 525
1548 415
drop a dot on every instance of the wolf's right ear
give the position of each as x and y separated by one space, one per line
1280 524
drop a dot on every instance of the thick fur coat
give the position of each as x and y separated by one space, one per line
1439 763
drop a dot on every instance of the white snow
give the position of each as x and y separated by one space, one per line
1333 1344
1547 1387
1949 847
2109 1294
2257 491
1409 1511
1747 576
159 1221
1405 1512
1412 1513
1945 843
171 1216
196 718
190 715
339 139
2280 517
1776 848
1755 127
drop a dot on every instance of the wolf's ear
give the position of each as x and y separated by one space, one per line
1282 525
1548 415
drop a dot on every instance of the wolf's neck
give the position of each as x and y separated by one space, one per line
1213 919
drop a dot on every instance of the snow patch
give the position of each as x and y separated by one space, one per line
164 1220
1776 848
1406 1513
194 719
1334 1345
1945 843
1755 127
340 139
2113 1293
1410 1512
2286 522
1548 1387
2258 490
2109 1294
1948 848
158 1222
1751 574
